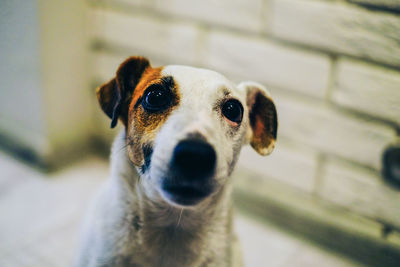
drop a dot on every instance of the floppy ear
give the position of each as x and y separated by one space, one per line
262 117
114 96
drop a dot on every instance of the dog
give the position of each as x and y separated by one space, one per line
168 200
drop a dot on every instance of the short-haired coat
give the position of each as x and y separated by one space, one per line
168 200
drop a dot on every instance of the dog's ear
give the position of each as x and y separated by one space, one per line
262 117
114 96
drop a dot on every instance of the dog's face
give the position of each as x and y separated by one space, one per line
185 126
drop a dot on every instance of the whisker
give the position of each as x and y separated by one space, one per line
179 220
126 145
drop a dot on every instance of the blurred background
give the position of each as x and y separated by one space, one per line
332 66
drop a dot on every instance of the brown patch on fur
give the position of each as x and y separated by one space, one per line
142 124
149 76
118 100
263 121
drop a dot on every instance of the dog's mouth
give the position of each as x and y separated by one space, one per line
185 195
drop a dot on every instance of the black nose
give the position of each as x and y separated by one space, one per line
193 159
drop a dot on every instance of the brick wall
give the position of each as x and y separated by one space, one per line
333 68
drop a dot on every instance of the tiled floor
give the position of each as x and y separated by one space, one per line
41 215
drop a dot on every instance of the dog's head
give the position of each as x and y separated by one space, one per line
185 126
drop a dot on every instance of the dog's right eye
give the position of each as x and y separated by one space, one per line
156 98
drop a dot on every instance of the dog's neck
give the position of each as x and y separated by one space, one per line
163 229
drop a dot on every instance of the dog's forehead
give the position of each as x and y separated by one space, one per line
206 82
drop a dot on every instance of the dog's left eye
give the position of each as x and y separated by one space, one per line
233 110
156 98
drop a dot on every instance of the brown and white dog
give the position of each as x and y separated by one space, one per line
168 201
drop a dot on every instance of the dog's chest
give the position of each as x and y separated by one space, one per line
171 246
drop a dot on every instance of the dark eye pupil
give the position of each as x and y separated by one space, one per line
233 110
156 99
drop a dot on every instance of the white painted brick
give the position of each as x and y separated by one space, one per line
388 4
104 65
368 88
274 65
141 3
339 28
332 131
147 34
242 14
133 3
394 238
360 191
287 164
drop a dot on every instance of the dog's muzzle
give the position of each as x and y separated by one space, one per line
192 168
